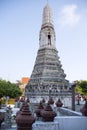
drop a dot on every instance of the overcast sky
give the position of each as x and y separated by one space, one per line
20 23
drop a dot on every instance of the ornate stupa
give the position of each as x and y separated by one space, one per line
47 76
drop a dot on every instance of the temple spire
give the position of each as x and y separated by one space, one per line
47 72
47 14
47 1
47 33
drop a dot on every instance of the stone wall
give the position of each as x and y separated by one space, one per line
67 112
71 122
63 123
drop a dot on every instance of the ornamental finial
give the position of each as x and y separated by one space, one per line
47 1
47 15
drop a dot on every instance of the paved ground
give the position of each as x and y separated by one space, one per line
78 107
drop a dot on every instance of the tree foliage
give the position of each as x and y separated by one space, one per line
81 87
9 89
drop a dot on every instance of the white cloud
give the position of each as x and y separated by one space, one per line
69 16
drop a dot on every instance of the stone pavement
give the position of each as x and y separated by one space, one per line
78 107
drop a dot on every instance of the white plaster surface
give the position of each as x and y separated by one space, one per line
63 123
38 125
72 122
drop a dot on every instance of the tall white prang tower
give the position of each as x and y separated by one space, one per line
48 77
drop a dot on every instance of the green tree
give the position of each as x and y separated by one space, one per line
9 89
81 87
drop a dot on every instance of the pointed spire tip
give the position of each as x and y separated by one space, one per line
47 1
